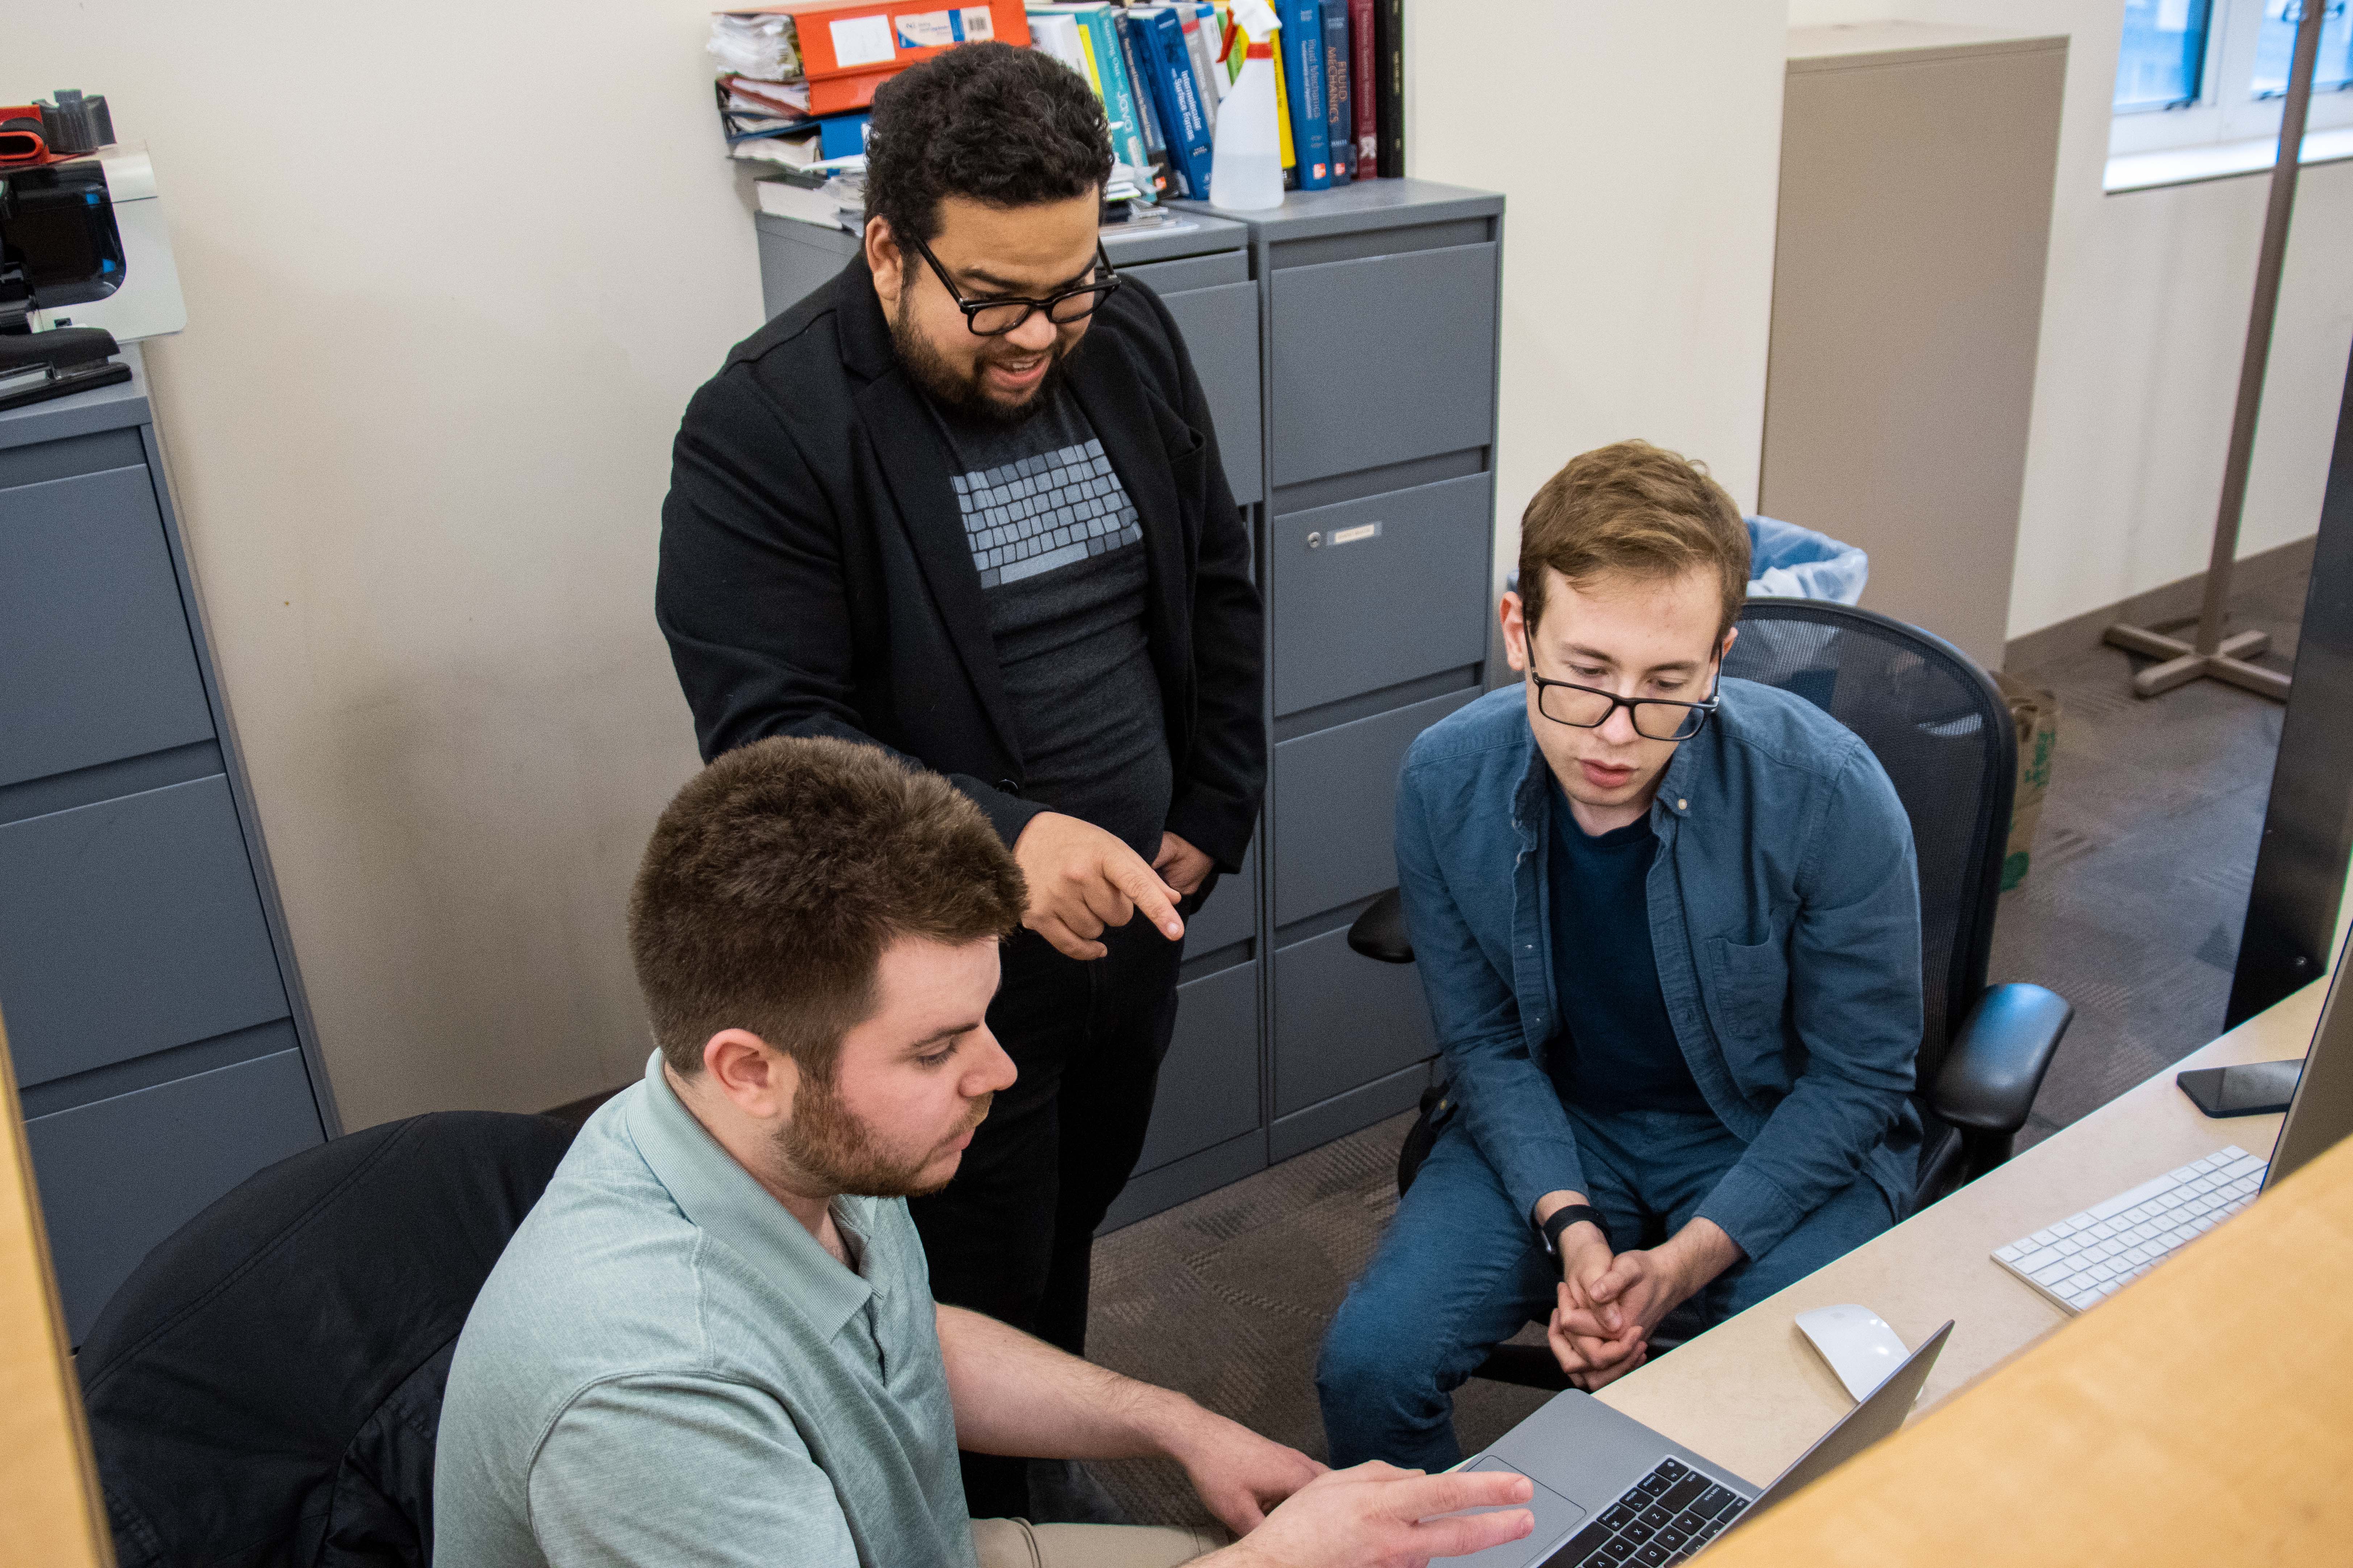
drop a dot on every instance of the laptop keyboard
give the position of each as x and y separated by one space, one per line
1664 1518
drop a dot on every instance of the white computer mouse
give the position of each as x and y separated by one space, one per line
1857 1343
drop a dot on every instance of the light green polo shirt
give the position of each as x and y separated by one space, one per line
666 1368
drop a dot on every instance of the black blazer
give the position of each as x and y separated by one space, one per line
815 578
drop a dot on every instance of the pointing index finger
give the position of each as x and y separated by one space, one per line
1156 898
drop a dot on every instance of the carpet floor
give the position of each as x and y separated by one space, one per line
2131 910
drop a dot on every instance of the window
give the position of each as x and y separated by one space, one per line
2200 73
2162 63
2275 47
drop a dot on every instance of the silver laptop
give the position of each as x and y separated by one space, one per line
1612 1493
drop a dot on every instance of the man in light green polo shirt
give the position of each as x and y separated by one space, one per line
713 1341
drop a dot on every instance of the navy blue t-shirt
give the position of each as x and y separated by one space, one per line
1617 1050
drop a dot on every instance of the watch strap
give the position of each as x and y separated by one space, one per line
1569 1214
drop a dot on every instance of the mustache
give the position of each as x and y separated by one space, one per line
979 1114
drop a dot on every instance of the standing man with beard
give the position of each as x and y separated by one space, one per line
965 502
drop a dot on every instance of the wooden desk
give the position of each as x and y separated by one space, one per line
1752 1394
2203 1415
50 1515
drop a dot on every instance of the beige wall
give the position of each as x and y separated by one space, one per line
452 272
2145 318
1638 146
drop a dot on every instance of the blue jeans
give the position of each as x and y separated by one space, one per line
1460 1269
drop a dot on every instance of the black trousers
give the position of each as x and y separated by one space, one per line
1013 1235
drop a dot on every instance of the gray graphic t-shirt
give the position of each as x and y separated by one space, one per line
1061 555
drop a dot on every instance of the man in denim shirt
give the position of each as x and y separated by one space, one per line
1669 927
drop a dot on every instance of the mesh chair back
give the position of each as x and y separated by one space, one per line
1943 733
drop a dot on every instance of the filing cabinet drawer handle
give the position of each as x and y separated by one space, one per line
1360 532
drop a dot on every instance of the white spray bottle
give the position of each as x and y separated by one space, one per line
1246 164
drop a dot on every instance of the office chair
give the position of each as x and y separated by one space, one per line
266 1388
1943 733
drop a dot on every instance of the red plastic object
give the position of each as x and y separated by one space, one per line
24 141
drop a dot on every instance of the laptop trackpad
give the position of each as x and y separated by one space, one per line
1556 1517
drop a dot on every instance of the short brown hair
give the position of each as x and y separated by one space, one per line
1636 509
777 877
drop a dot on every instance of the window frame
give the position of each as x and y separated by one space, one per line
2225 110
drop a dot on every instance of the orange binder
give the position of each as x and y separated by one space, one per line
849 48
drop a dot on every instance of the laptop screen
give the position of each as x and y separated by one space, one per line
1876 1418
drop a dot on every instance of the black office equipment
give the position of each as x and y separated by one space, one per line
58 242
2250 1089
2307 840
58 246
267 1386
38 366
1941 729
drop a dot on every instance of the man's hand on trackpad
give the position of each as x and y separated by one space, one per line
1378 1516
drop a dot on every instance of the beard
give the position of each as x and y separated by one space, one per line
825 1141
963 391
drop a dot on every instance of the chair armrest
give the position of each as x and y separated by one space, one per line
1379 931
1997 1058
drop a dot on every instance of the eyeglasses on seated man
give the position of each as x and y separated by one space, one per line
1668 923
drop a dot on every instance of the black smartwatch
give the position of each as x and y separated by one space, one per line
1569 1214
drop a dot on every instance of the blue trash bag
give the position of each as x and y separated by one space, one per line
1791 563
1787 561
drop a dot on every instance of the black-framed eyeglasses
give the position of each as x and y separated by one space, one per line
1655 718
995 318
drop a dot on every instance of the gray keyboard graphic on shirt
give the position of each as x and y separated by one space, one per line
1044 511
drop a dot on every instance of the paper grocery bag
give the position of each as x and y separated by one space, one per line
2035 713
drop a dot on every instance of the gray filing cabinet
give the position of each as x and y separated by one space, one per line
1346 344
162 1047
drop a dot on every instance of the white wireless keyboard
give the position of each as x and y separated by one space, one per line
2088 1257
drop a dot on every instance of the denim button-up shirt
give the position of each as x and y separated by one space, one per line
1785 920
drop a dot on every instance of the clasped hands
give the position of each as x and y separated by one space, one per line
1609 1304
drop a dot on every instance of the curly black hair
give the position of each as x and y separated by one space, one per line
1007 126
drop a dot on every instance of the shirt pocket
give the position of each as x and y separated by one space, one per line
1749 993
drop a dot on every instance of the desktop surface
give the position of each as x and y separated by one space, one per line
2138 1434
1751 1394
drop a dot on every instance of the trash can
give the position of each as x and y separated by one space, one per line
1785 562
2035 714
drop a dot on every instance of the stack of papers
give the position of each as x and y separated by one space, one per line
775 100
787 151
830 195
762 92
757 45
